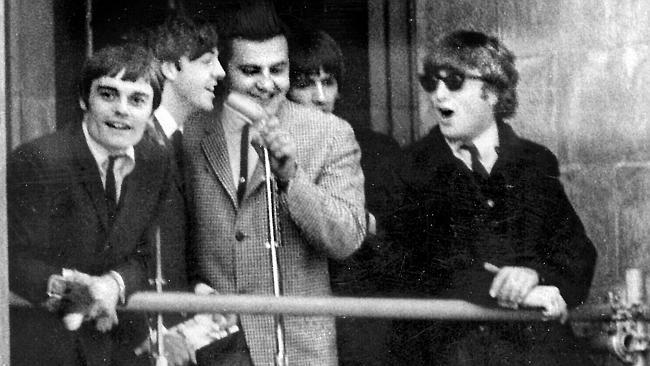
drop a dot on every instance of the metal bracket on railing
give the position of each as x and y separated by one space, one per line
626 334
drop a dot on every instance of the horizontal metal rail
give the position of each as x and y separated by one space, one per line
434 309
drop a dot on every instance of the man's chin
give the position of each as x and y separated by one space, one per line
122 143
272 106
452 135
205 107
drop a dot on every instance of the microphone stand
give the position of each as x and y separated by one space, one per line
161 360
273 243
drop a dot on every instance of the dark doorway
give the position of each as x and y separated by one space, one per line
345 20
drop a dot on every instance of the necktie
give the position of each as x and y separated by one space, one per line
110 192
477 167
177 145
243 164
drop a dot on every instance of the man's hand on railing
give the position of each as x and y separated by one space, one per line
518 286
511 284
225 321
82 297
550 300
183 340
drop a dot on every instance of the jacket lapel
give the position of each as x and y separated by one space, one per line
257 178
89 176
155 133
141 188
509 150
215 148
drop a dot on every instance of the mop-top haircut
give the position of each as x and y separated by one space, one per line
471 51
310 49
181 36
136 61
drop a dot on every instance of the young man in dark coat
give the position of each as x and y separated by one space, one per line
83 206
187 50
317 70
485 219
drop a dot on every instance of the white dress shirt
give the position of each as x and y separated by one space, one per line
123 166
233 123
167 121
486 143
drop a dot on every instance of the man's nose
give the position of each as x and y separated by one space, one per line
121 106
218 72
441 93
265 82
319 93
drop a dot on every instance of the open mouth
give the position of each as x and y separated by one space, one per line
265 98
117 125
445 112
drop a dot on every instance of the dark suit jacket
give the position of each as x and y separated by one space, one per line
363 273
175 231
57 219
451 223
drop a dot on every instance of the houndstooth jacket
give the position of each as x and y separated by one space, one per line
321 215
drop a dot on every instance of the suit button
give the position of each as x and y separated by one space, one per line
239 235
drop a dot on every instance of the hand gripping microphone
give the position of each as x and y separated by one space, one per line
248 108
254 114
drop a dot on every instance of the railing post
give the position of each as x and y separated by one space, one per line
635 296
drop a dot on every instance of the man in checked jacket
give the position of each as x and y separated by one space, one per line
485 219
316 162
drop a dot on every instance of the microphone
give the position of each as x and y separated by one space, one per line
247 108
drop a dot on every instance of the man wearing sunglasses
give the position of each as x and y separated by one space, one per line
485 218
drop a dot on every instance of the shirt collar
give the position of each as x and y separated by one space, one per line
486 143
231 120
100 153
166 121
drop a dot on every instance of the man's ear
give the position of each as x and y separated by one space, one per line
169 70
490 96
82 105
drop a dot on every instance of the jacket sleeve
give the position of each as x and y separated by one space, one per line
29 249
139 265
567 256
330 211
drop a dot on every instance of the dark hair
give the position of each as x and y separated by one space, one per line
469 50
248 20
136 61
181 36
311 49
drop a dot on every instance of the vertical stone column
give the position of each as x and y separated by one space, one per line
32 107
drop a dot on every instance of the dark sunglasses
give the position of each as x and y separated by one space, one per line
454 80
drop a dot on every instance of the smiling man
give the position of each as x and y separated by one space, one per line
316 68
83 206
187 50
315 160
485 218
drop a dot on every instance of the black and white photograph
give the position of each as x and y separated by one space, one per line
325 182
